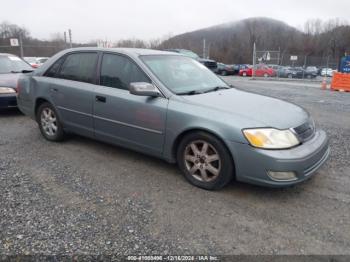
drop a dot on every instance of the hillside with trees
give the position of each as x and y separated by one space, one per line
229 43
233 42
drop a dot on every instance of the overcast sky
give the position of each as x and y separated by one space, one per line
147 19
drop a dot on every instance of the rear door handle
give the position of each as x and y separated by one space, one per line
101 99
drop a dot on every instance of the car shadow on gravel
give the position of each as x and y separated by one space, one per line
234 188
110 148
10 112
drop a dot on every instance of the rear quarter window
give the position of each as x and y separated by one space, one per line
79 67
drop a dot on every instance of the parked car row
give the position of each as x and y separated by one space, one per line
269 70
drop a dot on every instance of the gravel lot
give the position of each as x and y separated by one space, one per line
86 197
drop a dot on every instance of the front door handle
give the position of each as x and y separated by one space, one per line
101 99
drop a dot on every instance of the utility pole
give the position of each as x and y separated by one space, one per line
254 59
20 45
208 51
203 55
70 38
304 66
65 39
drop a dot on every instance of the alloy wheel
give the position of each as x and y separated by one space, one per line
48 121
202 160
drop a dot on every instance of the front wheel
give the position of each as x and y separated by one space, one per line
49 123
205 161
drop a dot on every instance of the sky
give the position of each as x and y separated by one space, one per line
114 20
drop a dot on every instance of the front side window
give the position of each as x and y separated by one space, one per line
182 74
79 67
118 71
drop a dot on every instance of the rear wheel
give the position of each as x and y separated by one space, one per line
205 161
290 76
49 123
223 73
244 73
266 75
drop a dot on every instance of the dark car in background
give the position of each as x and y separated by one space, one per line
10 68
211 64
312 71
223 69
296 72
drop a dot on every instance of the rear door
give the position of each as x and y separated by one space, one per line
72 90
137 122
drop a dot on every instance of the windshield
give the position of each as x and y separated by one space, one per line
182 74
12 64
189 54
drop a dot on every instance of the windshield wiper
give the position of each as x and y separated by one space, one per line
192 92
217 88
22 71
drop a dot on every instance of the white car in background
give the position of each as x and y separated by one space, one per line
327 72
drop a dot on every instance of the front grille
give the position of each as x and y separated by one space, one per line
305 131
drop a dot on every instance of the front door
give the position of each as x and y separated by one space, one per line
137 122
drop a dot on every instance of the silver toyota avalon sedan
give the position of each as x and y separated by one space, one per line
171 106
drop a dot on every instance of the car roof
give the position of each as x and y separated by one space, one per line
127 51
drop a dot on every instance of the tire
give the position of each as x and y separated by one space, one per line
198 168
266 75
290 76
308 76
223 73
49 123
244 73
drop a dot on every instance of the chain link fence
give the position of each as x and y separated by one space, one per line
272 63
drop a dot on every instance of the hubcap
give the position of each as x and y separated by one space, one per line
202 161
48 121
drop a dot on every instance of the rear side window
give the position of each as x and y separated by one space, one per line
53 70
118 71
79 67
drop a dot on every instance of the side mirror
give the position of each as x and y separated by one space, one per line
143 89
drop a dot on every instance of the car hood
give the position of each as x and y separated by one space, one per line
9 80
262 111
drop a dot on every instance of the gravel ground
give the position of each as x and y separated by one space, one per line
86 197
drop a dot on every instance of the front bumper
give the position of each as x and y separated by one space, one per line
8 100
252 164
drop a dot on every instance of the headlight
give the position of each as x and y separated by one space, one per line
270 138
7 90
